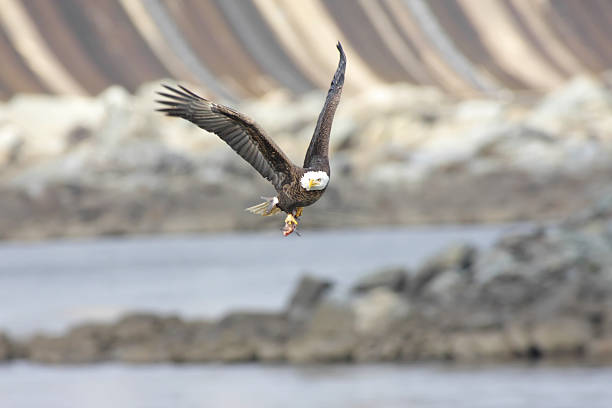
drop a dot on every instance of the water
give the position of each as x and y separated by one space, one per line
235 386
50 285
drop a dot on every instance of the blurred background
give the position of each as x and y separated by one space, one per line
465 237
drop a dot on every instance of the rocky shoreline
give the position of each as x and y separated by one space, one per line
111 165
544 293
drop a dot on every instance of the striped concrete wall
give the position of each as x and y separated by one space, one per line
237 48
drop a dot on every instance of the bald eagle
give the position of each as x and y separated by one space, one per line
297 187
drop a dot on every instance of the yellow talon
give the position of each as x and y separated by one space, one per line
298 211
290 220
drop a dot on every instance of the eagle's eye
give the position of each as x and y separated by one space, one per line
319 179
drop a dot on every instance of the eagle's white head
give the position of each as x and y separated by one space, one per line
314 180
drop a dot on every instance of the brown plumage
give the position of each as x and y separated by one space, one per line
247 139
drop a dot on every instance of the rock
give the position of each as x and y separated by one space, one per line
581 94
516 243
445 286
201 344
234 349
377 310
312 349
493 263
524 147
239 336
393 174
6 347
518 337
442 151
11 143
562 336
394 279
600 351
86 343
425 345
331 318
77 135
46 139
458 257
147 351
329 336
479 110
387 347
137 327
344 135
508 292
268 351
267 325
306 296
247 336
479 346
147 338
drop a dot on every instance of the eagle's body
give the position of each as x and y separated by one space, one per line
297 187
292 195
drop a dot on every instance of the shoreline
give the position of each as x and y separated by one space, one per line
400 155
540 294
65 211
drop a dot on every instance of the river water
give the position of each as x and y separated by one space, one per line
254 386
50 285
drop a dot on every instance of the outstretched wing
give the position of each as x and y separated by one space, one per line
319 144
234 128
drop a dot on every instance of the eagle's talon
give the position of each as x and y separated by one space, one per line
291 220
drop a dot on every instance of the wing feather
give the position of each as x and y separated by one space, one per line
319 144
234 128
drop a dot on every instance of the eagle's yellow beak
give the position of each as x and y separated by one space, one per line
311 183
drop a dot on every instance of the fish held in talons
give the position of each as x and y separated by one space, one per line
288 229
291 224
